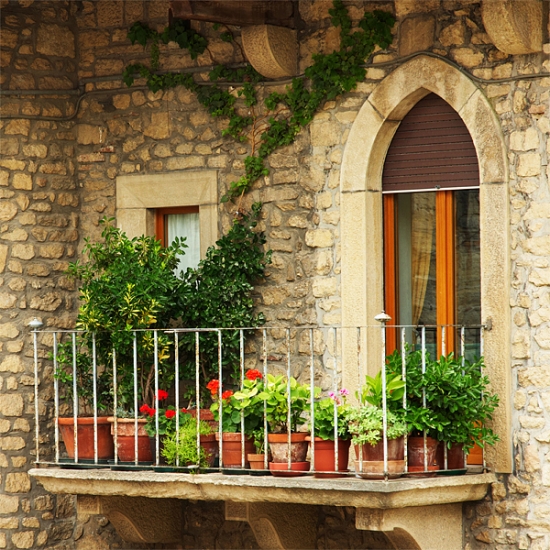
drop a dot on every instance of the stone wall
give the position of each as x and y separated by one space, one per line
57 179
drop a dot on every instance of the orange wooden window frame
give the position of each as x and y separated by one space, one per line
161 228
445 269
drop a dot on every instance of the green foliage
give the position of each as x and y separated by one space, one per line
181 447
127 285
327 78
219 294
275 393
365 420
458 400
372 391
77 363
244 404
365 424
325 410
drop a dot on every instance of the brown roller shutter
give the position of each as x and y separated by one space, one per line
432 149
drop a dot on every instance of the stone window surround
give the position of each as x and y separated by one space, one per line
137 196
362 230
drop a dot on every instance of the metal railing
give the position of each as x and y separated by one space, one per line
321 357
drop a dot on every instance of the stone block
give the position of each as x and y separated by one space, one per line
11 404
406 7
12 443
35 150
12 363
18 482
319 238
324 287
23 251
18 127
87 134
416 34
529 165
8 504
22 181
325 133
23 539
7 301
467 57
8 211
159 127
453 35
55 40
8 330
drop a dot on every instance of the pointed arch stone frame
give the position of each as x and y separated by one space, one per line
361 219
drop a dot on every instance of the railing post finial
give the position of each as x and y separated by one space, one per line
382 317
35 324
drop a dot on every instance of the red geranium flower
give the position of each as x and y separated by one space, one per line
162 395
145 409
227 394
253 374
213 386
184 411
170 413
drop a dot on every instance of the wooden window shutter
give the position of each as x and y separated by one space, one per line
432 149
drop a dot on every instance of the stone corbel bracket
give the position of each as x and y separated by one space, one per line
515 26
138 519
271 50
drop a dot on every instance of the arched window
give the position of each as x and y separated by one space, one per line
430 185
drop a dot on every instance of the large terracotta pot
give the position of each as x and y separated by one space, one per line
85 437
396 450
455 457
126 440
232 452
207 415
416 453
324 458
372 465
278 445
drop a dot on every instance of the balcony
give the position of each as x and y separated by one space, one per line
323 362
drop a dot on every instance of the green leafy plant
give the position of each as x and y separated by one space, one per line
458 402
330 413
128 288
365 424
74 368
168 419
219 294
242 410
277 392
366 419
181 447
327 78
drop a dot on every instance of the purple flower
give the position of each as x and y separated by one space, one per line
344 392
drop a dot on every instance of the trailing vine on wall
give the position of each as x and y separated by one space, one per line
329 76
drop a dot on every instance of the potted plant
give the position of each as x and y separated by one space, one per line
180 446
161 423
286 403
128 289
241 414
450 402
366 426
329 425
74 370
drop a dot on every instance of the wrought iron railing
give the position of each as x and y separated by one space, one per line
332 359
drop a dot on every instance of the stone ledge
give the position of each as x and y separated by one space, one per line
242 488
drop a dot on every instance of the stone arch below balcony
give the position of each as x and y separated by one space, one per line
361 220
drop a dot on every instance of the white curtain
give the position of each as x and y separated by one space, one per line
186 225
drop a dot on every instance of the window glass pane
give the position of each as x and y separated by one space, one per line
185 225
467 265
416 262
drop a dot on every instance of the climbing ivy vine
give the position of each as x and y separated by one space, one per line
328 77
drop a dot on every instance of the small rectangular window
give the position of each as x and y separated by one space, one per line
180 222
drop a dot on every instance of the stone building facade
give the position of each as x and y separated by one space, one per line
73 137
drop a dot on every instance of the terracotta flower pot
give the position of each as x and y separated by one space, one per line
257 461
455 457
324 458
126 440
279 447
232 452
85 437
372 465
416 453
